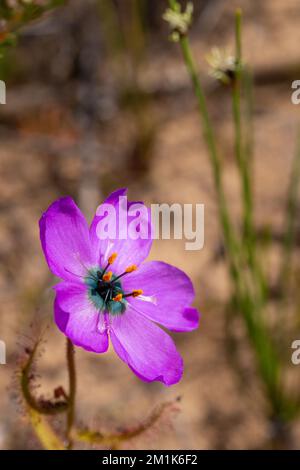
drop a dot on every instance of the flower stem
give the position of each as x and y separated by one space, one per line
173 4
72 391
249 303
229 237
243 164
291 214
46 435
240 156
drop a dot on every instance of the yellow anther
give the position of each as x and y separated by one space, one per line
112 258
131 268
107 276
118 298
137 292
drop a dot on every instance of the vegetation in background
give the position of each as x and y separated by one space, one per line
252 291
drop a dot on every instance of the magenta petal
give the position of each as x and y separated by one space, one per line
97 244
146 348
78 319
65 240
130 251
167 295
190 320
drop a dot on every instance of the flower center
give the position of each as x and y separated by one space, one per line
105 289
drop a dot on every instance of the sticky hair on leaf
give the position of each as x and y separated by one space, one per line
160 416
26 376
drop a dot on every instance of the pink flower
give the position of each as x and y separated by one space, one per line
109 291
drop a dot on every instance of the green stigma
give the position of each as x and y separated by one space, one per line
102 292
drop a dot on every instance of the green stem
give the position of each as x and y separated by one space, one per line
72 391
209 137
248 303
243 163
173 4
44 432
238 35
231 245
240 157
268 361
289 237
249 128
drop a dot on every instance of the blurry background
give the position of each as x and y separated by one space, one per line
98 98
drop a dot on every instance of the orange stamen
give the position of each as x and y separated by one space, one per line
118 298
137 292
131 268
112 258
107 276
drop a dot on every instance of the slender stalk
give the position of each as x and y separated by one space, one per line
209 137
46 435
291 213
251 306
249 302
249 112
240 156
173 4
243 163
269 362
72 391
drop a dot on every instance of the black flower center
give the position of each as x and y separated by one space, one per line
105 288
